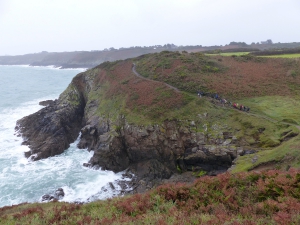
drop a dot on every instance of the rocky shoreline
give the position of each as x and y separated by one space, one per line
173 151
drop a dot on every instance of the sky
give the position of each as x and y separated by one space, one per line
74 25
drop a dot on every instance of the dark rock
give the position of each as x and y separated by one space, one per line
87 165
249 151
50 131
112 186
47 197
227 135
96 167
181 165
57 195
46 103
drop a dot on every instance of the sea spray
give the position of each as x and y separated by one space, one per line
22 180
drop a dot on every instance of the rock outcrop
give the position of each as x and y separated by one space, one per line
50 131
153 153
57 195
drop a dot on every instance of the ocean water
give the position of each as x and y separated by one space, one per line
22 180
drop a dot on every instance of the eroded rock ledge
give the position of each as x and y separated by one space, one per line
152 153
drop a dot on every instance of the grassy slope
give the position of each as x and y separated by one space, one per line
151 102
273 91
247 198
283 56
229 53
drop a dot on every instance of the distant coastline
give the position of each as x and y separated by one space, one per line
90 59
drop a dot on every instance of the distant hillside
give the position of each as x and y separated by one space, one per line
233 77
89 59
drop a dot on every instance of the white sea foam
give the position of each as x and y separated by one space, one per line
60 68
22 180
47 67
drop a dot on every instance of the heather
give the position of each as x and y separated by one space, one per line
269 197
233 77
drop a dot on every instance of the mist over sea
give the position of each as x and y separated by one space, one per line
21 180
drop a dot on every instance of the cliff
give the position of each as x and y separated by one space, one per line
147 127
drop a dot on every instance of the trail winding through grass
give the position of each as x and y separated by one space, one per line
174 88
140 76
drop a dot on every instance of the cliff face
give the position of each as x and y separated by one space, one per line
152 152
132 123
49 131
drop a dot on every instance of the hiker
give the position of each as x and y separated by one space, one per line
199 94
234 105
216 96
241 107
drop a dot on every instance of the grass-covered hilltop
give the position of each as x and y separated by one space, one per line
143 115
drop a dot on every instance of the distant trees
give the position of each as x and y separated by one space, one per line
241 44
268 42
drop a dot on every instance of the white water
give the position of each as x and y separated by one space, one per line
21 180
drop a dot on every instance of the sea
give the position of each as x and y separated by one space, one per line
22 180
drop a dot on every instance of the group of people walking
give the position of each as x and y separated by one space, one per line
223 101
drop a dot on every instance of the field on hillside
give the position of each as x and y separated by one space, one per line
283 56
232 77
281 108
283 111
229 54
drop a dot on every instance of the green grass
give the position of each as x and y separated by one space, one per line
282 56
280 108
229 53
284 110
285 154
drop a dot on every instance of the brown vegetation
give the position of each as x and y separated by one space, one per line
139 93
234 77
270 197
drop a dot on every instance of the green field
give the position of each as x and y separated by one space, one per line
286 111
282 56
280 108
230 53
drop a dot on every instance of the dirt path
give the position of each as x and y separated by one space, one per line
175 89
140 76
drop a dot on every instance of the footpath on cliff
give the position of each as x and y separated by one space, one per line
249 113
154 152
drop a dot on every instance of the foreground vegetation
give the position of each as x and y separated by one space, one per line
270 197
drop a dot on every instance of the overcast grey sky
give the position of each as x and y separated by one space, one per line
69 25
